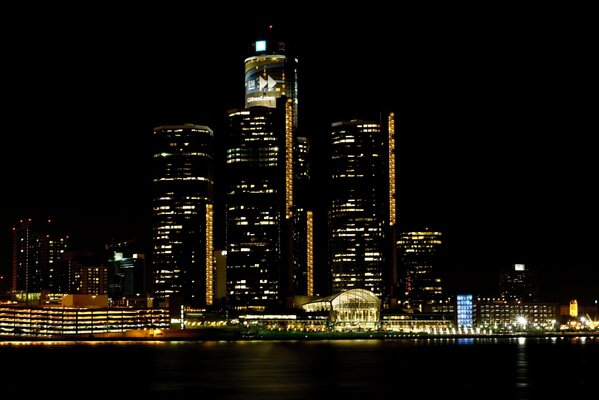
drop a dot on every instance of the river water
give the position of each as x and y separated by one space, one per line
515 368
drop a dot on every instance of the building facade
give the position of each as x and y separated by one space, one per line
500 314
517 284
37 250
419 259
183 186
464 311
361 208
53 321
126 271
259 212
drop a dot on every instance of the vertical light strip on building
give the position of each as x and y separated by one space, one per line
289 159
310 253
392 214
209 255
14 259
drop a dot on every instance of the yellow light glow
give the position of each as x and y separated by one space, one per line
574 308
209 255
289 159
392 212
310 255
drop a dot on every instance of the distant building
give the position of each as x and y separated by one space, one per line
419 255
82 272
517 284
126 270
500 314
37 248
361 206
182 204
573 308
465 311
93 279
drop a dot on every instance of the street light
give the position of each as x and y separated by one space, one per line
521 321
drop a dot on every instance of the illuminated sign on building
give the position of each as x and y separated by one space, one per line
261 45
265 80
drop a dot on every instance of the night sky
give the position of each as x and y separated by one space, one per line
493 108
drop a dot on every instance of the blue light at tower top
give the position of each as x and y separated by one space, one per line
261 45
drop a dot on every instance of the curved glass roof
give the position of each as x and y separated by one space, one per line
351 296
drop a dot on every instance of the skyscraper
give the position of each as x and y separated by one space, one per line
259 212
419 259
517 284
361 212
266 165
37 249
126 270
182 258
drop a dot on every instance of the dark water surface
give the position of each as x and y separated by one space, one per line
353 369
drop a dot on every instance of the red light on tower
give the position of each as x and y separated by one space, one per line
270 26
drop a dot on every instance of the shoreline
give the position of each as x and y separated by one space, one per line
234 335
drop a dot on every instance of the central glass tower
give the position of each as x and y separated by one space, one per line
267 222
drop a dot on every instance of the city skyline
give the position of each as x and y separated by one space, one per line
476 121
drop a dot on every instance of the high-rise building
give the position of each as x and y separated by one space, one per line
82 272
259 206
517 284
419 258
37 250
93 279
267 164
126 270
182 257
361 211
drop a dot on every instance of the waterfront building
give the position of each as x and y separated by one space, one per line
182 204
37 249
361 206
419 260
349 310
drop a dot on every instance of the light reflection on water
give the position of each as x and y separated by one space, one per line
520 368
522 379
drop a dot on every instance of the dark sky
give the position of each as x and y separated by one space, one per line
494 110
